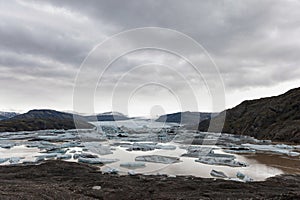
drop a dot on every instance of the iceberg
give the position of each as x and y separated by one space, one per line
239 150
158 159
98 148
131 173
64 156
279 149
221 159
133 165
110 171
243 177
218 174
3 160
15 160
96 160
141 147
84 155
165 147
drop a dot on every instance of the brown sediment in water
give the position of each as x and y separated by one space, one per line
67 180
288 164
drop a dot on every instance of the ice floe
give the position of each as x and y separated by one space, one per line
218 174
279 149
133 165
97 160
158 159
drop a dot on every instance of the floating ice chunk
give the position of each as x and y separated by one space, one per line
96 160
243 177
15 160
165 147
158 159
218 174
64 156
47 155
3 160
141 147
131 173
96 187
71 144
171 176
272 148
133 165
293 153
197 151
284 146
110 171
239 150
84 155
98 148
7 144
218 160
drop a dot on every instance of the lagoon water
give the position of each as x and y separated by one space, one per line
114 139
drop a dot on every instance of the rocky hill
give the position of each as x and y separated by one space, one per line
41 120
188 118
107 116
8 114
276 118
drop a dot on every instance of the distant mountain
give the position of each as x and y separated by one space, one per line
188 118
41 120
8 114
2 117
107 116
276 118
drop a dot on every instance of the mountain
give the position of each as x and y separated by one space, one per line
8 114
41 120
276 118
2 117
107 116
186 117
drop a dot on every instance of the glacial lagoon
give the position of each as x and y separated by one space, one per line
148 147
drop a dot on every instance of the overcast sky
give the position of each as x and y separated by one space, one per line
255 45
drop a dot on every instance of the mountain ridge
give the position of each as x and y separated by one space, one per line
43 119
276 118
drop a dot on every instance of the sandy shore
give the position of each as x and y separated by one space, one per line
66 180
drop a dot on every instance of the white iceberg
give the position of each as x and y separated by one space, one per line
218 174
133 165
96 160
158 159
243 177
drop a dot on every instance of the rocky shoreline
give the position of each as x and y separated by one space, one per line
68 180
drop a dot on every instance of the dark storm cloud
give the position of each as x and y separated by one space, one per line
254 43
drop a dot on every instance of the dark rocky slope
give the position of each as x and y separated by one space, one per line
276 118
41 120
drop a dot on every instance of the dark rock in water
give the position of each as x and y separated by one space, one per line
273 118
42 120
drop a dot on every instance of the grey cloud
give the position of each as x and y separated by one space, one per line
254 43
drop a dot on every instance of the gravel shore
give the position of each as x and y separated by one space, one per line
67 180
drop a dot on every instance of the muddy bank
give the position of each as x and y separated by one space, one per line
66 180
